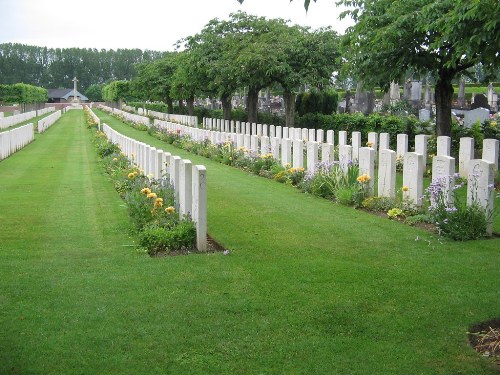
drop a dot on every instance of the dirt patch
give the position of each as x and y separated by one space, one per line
212 247
484 337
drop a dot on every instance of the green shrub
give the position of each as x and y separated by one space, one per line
157 239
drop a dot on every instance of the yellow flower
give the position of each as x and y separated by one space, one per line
151 195
115 159
131 175
146 190
158 202
170 210
405 188
369 144
363 178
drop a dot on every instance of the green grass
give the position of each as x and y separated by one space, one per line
309 287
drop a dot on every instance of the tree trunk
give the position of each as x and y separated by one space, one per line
289 98
181 106
226 107
190 106
170 105
443 97
252 103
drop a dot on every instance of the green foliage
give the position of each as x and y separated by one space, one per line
456 220
324 102
22 93
94 93
157 239
150 202
116 91
55 67
443 38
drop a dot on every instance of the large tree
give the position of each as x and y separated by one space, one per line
443 38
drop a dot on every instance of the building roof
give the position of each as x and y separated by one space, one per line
64 94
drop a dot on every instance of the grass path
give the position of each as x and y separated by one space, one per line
309 287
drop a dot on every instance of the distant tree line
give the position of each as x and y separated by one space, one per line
56 67
23 94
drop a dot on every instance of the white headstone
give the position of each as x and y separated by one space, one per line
480 188
413 168
443 146
320 135
185 187
367 166
384 142
401 145
387 173
342 137
264 145
327 152
312 156
275 147
199 205
345 157
286 152
490 152
330 137
465 154
443 172
356 144
298 153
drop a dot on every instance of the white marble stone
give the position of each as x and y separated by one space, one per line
413 169
298 153
443 146
490 152
312 156
443 172
327 153
199 205
185 187
387 173
356 145
367 166
480 188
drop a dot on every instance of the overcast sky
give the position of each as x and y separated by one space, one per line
144 24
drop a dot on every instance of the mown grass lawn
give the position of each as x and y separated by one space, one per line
309 287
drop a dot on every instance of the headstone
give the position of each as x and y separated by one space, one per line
416 91
479 101
443 173
465 154
395 95
199 205
286 152
424 114
428 96
356 145
407 90
272 131
490 152
254 143
413 168
492 98
478 114
327 153
247 141
304 134
421 147
185 187
275 147
387 173
461 93
312 156
320 135
298 153
480 188
264 145
279 132
401 145
345 157
443 146
330 137
312 135
367 166
384 142
342 137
